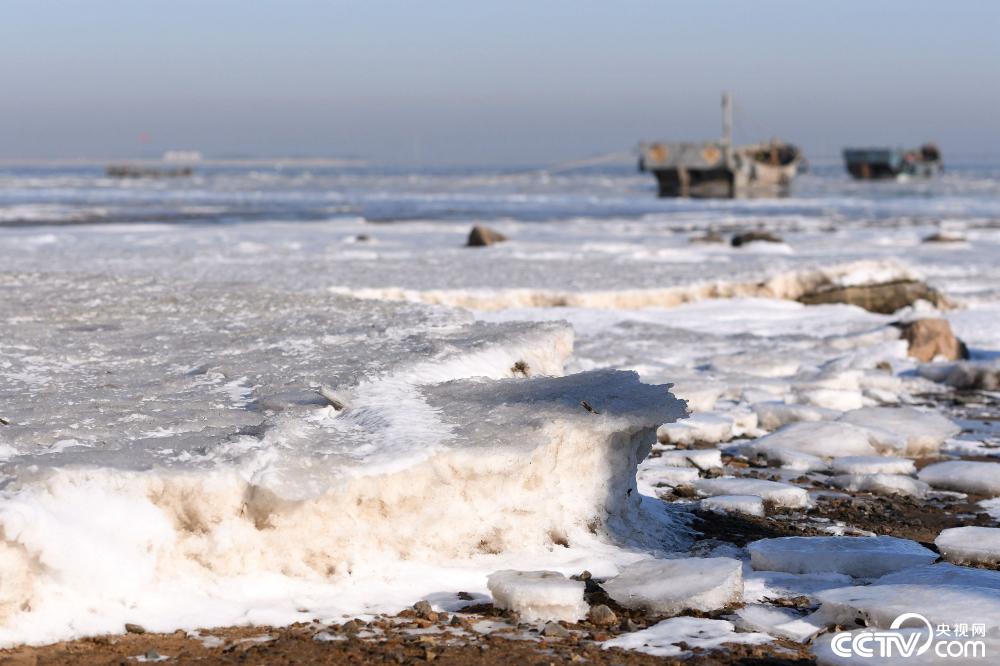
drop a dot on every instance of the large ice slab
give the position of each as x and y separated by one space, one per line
881 484
905 430
671 586
231 449
666 638
967 476
854 556
943 573
824 439
751 505
539 595
872 465
879 605
970 545
775 492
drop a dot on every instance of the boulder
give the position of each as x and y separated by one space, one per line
753 237
481 236
945 237
931 338
883 298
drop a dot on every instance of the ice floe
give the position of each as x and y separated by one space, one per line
665 638
872 465
904 430
671 586
823 439
881 484
750 505
775 492
966 476
970 545
943 573
859 557
539 595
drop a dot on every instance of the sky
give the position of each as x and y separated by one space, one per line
506 82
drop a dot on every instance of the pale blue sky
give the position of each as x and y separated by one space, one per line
490 82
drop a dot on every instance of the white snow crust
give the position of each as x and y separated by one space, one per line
966 476
970 545
663 638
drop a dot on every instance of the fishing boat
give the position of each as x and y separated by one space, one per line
893 163
717 169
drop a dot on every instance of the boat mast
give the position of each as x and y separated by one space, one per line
727 119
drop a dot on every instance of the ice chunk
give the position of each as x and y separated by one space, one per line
970 545
904 429
943 573
773 415
665 638
775 492
873 465
831 398
775 621
701 396
700 458
763 585
854 556
965 476
879 605
653 473
751 505
791 459
881 484
539 595
670 586
826 439
700 427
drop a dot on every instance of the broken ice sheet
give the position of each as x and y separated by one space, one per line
664 638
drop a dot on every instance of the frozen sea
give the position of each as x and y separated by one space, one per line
262 392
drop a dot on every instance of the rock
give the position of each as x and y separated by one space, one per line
708 237
134 628
945 237
883 298
931 338
424 610
753 237
351 627
481 236
555 630
602 616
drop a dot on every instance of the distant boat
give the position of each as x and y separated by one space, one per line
717 169
893 163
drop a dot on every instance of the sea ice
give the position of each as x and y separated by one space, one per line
670 586
776 621
700 458
665 638
771 415
751 505
760 586
826 439
700 427
881 484
879 605
970 545
860 557
943 573
965 476
872 465
539 595
904 430
775 492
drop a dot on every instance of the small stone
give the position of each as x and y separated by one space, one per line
351 627
481 236
554 630
628 625
134 628
602 616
